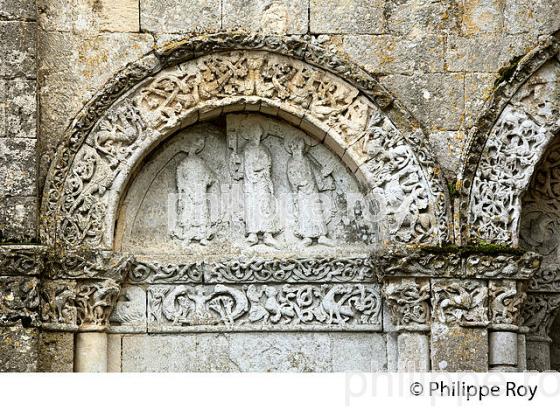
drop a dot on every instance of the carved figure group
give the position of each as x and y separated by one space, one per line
252 163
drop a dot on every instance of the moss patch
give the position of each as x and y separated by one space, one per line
482 247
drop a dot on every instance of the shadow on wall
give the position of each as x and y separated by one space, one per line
555 346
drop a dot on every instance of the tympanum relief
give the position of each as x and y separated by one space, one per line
246 185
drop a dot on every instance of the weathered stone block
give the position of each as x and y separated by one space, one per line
522 353
18 349
347 17
436 99
273 352
392 352
413 351
358 352
56 352
3 104
17 47
478 89
485 52
257 352
73 68
175 16
447 147
277 16
167 353
538 355
459 349
17 166
415 17
82 16
114 352
17 9
119 15
213 353
482 16
555 346
531 16
20 108
18 218
387 54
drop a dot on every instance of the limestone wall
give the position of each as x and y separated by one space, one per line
439 59
18 140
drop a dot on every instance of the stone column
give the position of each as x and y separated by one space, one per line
408 299
95 300
91 352
505 301
539 313
459 320
81 306
79 298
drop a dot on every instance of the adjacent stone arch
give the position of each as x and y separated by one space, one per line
508 183
505 145
296 79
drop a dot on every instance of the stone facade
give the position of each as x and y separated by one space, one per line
279 185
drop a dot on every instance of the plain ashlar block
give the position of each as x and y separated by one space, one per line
413 352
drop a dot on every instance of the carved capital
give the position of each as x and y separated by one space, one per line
463 303
546 279
78 305
94 302
19 300
539 312
408 301
506 299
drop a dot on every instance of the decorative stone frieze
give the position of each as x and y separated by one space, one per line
21 260
144 271
459 263
88 265
255 270
184 308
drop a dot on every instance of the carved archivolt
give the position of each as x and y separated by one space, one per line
506 145
109 138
